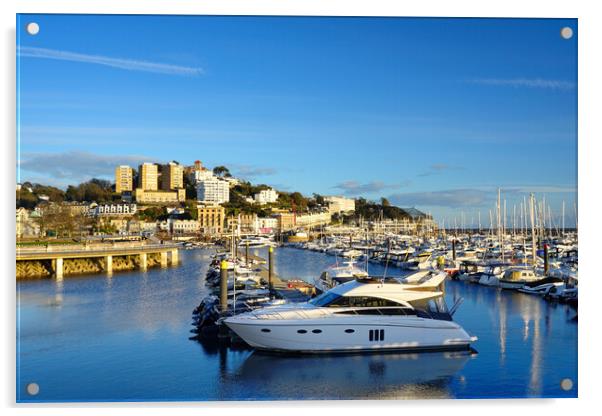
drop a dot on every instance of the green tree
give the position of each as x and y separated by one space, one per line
26 199
221 171
190 187
74 193
151 213
299 200
191 209
319 199
104 184
57 220
54 194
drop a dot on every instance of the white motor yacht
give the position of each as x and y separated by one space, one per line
351 254
255 241
360 315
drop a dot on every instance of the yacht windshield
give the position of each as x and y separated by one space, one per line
324 299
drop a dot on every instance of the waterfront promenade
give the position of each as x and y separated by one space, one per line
60 260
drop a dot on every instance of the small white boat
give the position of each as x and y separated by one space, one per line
351 254
491 276
517 277
255 242
470 270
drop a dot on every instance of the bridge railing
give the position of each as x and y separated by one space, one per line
71 248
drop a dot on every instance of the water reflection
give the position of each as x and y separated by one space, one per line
126 337
404 376
523 326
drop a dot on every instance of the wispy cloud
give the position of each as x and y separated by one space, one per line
528 188
541 189
438 168
280 186
248 171
553 84
121 63
452 198
473 197
74 167
138 133
353 188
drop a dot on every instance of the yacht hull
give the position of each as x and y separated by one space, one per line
515 285
374 334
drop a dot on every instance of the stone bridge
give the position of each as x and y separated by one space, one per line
60 260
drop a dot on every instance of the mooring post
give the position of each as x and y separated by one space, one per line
270 267
223 286
143 261
247 254
546 260
109 264
58 268
454 249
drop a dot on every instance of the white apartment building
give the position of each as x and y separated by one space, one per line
182 227
143 226
201 175
340 204
112 209
266 196
213 191
267 225
26 225
313 219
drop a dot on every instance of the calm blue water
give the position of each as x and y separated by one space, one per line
125 337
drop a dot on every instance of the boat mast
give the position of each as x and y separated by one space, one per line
553 224
576 218
542 214
504 227
563 217
521 217
499 222
523 220
514 223
525 214
532 204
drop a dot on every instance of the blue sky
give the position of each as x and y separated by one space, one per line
431 113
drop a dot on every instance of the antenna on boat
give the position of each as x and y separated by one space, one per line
387 258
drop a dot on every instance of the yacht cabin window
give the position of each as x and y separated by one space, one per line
332 300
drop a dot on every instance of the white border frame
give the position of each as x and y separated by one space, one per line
590 68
